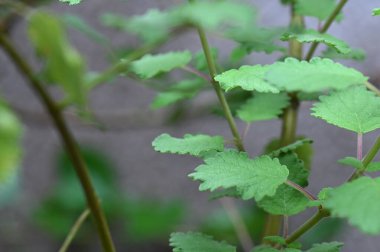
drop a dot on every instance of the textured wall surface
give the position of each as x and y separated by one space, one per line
131 126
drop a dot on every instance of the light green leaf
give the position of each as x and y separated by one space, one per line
376 12
246 77
195 145
263 106
320 9
151 65
354 54
351 161
186 89
359 202
197 242
326 247
316 75
64 65
291 147
373 167
287 200
214 14
253 178
355 109
71 2
310 36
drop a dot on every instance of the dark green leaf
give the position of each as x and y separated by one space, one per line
197 242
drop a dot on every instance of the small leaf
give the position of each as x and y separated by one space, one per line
287 200
359 202
373 167
194 145
151 65
254 178
355 109
197 242
263 106
351 161
354 54
376 12
71 2
310 36
326 247
320 9
246 77
316 75
186 89
291 147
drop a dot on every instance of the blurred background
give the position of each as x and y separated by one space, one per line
147 195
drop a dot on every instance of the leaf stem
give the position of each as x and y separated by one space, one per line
322 213
325 27
196 72
359 143
301 190
69 142
373 88
74 230
222 99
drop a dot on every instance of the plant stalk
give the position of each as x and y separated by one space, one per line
222 99
325 27
322 213
68 140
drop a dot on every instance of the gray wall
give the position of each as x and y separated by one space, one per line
123 106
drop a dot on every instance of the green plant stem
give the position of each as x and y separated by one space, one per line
373 88
74 230
367 160
322 213
325 27
301 190
222 99
69 142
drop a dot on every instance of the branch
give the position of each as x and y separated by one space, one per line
301 190
69 142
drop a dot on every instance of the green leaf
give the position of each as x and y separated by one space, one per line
320 9
266 248
64 65
326 247
355 109
263 106
195 145
201 61
186 89
214 14
287 200
310 36
291 147
197 242
316 75
151 220
255 39
373 167
253 178
10 144
82 26
151 65
359 202
71 2
246 77
354 54
376 12
351 161
281 241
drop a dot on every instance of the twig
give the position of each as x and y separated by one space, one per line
301 190
196 72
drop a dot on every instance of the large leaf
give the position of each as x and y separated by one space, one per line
287 200
263 106
320 9
213 14
354 54
359 202
151 65
316 75
190 144
246 77
326 247
197 242
64 65
253 178
310 36
355 109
